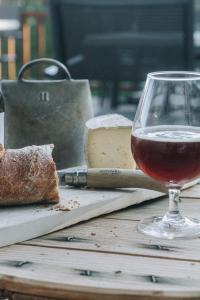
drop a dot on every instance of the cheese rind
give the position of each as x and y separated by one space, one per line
109 121
108 142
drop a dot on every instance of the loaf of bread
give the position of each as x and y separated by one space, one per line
28 175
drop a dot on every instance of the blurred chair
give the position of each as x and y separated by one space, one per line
114 40
10 31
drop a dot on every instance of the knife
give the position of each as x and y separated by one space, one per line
112 178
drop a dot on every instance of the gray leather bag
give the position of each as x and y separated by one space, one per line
39 112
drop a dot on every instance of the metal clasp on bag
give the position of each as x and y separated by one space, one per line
44 96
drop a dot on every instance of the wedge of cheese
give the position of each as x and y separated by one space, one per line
108 142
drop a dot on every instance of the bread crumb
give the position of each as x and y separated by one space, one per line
64 208
72 204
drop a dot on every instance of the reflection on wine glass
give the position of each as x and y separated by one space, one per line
165 143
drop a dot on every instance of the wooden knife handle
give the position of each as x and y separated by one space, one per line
122 178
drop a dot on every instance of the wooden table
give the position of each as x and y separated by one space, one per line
105 258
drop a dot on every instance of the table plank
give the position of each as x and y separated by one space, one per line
119 236
193 192
55 272
188 206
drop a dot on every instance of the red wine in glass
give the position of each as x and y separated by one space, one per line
168 154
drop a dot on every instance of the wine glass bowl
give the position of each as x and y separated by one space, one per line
165 143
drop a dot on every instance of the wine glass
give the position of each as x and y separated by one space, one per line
165 143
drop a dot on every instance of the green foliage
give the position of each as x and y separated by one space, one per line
36 5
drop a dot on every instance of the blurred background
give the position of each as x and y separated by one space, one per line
113 43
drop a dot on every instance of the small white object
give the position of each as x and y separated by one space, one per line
9 25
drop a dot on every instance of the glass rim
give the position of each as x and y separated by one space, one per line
162 75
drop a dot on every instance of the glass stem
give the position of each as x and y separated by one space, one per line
173 214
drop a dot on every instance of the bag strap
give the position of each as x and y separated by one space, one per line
41 61
1 102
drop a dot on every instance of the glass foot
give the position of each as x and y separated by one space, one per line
160 228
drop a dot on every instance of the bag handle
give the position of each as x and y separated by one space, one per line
46 61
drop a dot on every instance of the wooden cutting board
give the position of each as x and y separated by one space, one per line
19 224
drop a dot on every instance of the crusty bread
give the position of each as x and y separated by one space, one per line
28 175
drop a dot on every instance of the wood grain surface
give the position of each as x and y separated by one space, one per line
105 258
